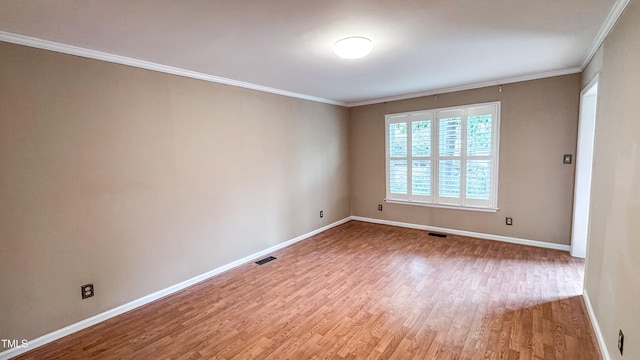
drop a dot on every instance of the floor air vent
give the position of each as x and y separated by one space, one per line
437 235
265 260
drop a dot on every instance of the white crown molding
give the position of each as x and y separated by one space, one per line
502 81
83 324
501 238
610 22
613 17
596 326
123 60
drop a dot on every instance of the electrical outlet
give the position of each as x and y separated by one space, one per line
509 221
620 341
321 213
379 207
87 291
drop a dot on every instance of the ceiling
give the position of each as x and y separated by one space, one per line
421 46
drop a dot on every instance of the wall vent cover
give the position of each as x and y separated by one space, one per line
265 260
437 235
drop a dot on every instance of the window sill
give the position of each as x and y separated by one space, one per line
442 206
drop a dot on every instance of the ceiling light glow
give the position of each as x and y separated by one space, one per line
353 47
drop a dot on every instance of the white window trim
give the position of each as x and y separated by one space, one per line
441 206
434 200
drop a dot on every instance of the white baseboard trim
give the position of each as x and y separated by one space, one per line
507 239
596 326
83 324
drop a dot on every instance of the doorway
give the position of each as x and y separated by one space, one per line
584 167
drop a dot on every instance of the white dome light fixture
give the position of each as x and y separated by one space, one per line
353 47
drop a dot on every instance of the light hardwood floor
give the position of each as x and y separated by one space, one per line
362 291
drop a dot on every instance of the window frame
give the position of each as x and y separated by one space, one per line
435 116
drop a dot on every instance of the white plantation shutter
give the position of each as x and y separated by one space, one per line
397 166
409 152
446 157
421 148
449 156
481 156
449 133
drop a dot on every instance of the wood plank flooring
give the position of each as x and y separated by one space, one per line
362 291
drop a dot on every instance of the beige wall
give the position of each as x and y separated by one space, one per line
613 265
539 123
137 180
593 68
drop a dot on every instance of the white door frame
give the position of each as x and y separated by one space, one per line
584 167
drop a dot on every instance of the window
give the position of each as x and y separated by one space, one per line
444 157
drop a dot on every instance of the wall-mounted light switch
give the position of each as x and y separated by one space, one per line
566 159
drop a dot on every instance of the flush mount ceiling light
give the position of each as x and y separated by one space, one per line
353 47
